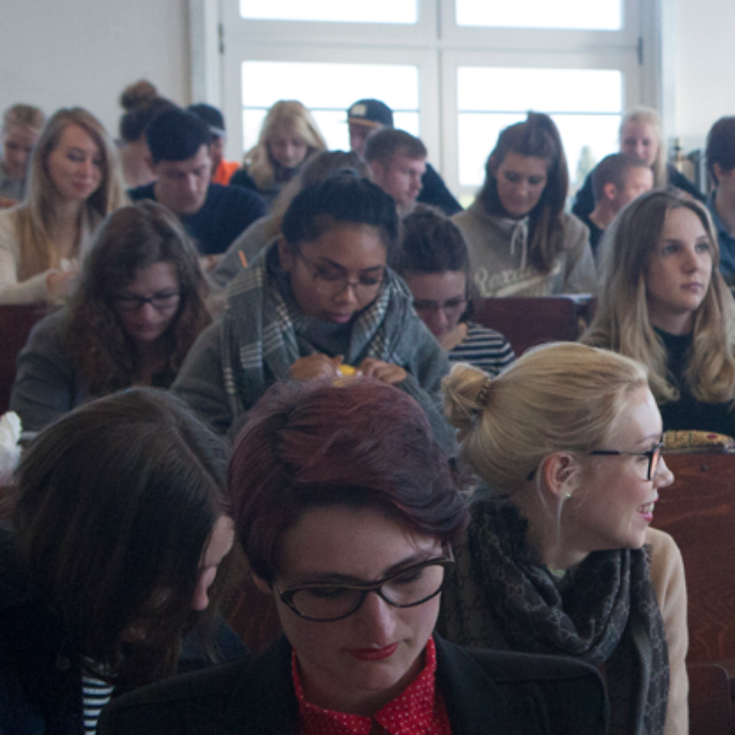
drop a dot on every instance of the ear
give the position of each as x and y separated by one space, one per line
610 191
152 166
286 255
262 585
558 471
377 171
717 170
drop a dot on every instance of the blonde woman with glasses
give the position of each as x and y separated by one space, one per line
560 557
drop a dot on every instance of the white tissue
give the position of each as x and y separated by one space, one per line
10 429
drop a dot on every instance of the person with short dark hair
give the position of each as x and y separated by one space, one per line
617 180
397 161
246 247
521 241
119 525
21 127
320 298
136 312
720 155
432 259
365 118
347 510
214 215
221 170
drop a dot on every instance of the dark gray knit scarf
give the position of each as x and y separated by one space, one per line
606 615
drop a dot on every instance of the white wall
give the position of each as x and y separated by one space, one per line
60 53
704 85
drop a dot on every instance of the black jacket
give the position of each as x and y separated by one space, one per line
484 691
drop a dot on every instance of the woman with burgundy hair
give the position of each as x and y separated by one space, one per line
347 511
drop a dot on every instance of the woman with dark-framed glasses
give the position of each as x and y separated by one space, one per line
348 523
319 301
137 311
433 261
559 556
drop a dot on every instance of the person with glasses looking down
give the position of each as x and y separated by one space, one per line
138 309
559 557
318 301
433 261
347 510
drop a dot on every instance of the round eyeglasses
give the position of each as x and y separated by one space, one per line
407 587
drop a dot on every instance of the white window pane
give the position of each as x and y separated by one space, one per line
586 104
586 140
550 90
327 90
602 15
350 11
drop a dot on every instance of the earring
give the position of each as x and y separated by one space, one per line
568 495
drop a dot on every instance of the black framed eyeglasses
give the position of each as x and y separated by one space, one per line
654 457
330 281
448 307
159 301
407 587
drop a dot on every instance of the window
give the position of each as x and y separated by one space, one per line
599 15
331 11
329 99
454 71
585 104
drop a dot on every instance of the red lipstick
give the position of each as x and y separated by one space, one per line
373 654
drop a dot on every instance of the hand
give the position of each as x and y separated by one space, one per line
385 371
208 262
316 366
60 284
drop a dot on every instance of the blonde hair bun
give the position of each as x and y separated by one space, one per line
465 395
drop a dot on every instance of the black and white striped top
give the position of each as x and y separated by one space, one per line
95 695
483 348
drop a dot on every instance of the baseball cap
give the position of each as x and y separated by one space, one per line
370 112
212 116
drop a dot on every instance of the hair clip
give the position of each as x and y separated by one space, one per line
482 396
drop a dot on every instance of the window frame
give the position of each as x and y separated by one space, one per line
436 45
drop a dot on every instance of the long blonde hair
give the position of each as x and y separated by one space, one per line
36 216
622 323
650 116
292 115
559 397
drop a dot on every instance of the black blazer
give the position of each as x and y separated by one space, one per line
494 692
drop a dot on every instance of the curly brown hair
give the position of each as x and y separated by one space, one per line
132 239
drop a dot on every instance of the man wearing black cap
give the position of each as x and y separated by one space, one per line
221 170
366 117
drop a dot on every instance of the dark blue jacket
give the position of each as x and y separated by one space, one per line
226 213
